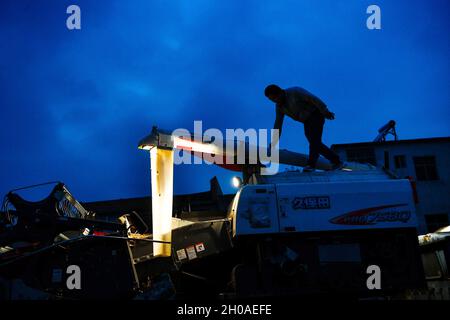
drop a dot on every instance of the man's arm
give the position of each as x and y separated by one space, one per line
278 125
278 120
319 104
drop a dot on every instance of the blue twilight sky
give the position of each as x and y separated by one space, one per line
74 104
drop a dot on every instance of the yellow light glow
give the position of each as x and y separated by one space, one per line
237 182
161 163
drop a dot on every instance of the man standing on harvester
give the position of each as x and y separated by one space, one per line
304 107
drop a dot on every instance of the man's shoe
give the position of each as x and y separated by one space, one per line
337 166
309 169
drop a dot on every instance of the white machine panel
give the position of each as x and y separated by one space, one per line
254 210
323 206
311 207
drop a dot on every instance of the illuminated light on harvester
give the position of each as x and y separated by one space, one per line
161 170
161 164
236 182
196 146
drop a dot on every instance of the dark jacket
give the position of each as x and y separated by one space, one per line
299 105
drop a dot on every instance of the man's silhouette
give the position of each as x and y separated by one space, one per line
304 107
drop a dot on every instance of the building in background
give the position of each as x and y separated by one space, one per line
426 160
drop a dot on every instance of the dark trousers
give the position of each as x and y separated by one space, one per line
313 132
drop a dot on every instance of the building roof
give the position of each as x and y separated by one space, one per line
391 142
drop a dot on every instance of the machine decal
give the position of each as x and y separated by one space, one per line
181 254
374 215
191 252
321 202
200 247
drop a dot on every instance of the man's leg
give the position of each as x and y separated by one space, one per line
329 154
313 136
313 131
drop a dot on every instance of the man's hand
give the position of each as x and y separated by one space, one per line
329 115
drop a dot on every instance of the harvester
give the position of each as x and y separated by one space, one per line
290 233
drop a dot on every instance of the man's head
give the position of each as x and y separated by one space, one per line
274 93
